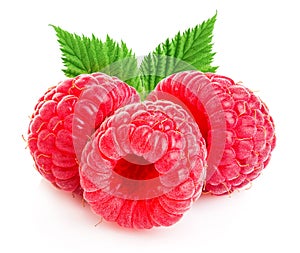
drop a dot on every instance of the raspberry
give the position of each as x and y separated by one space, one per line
144 166
234 122
50 135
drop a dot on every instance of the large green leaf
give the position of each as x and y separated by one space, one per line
189 50
81 54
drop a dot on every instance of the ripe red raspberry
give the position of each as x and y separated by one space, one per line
50 135
234 122
144 166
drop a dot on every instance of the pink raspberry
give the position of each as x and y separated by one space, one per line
234 122
144 166
50 135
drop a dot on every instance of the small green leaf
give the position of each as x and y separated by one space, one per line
189 50
82 55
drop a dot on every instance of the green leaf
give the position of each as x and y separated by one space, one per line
190 50
82 55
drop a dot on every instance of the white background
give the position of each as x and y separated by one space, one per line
257 42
